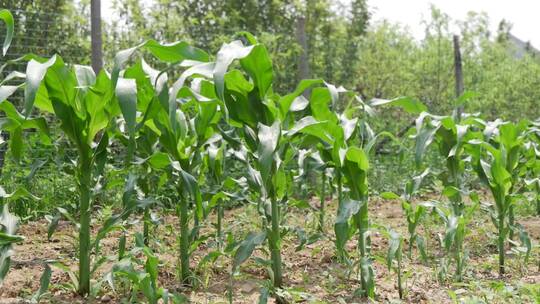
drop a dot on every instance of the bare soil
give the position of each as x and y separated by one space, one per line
312 274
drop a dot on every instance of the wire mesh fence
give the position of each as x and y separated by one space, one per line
42 34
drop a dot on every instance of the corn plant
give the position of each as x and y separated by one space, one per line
351 165
215 162
82 102
8 228
451 136
395 253
454 237
310 161
496 164
266 128
180 139
413 213
86 106
144 90
533 162
142 275
140 140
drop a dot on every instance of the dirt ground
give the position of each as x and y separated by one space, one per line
312 274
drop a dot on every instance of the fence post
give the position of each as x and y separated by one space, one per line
458 74
95 19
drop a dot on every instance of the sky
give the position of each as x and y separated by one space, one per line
523 14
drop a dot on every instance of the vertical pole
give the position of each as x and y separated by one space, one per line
303 59
97 44
459 74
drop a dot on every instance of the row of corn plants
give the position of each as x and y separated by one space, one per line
222 112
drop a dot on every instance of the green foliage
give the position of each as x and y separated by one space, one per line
142 281
63 28
497 161
395 253
6 16
223 133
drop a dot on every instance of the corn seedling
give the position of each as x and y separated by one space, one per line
496 166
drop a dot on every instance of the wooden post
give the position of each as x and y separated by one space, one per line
459 74
303 59
97 44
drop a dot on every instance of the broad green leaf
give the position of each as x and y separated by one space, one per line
299 104
246 248
240 107
159 160
320 102
85 75
225 56
170 53
308 125
259 66
205 118
7 17
35 72
285 102
6 91
21 192
175 52
348 126
269 137
205 69
347 209
394 248
8 239
389 195
423 138
126 91
358 156
44 282
408 104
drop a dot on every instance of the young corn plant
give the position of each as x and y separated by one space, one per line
414 213
395 253
183 140
9 227
533 171
454 237
532 162
266 128
140 141
496 164
82 102
215 162
336 136
142 274
450 135
310 161
144 90
86 106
